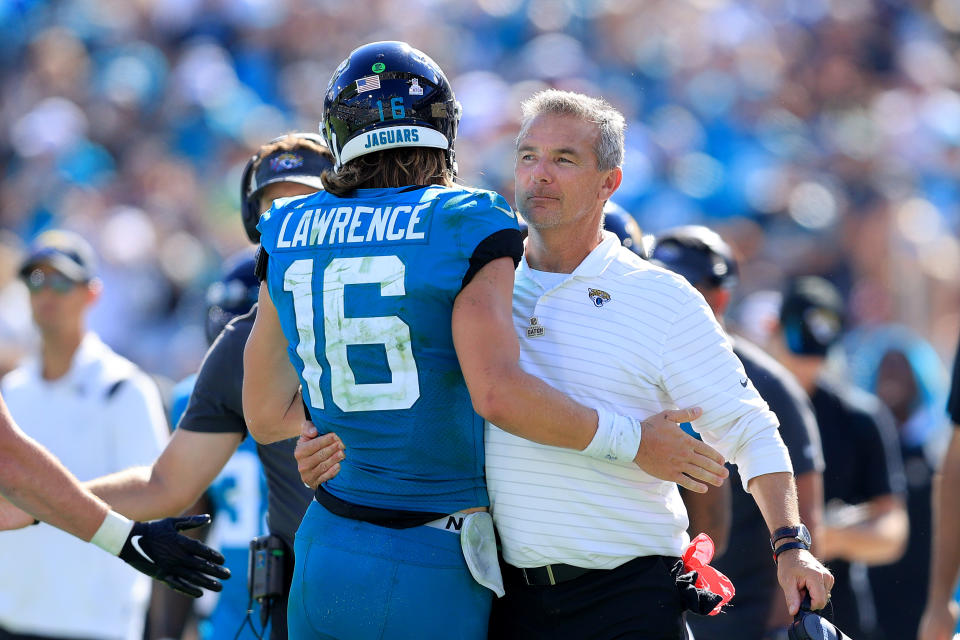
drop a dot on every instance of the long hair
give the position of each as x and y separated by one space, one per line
390 168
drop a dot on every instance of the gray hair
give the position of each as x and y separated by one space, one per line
609 121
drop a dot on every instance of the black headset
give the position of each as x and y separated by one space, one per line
249 207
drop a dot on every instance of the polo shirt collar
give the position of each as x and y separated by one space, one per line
88 353
593 265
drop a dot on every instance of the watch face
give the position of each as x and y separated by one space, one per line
803 534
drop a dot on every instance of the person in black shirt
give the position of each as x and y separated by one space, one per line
939 619
706 261
905 372
865 521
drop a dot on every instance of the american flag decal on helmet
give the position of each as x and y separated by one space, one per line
368 83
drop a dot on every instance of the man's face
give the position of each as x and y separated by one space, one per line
56 301
557 179
282 190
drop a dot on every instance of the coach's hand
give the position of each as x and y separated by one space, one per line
666 452
798 571
183 564
318 457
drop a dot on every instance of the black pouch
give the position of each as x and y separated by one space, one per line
266 579
810 625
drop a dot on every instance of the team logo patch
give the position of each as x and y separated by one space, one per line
535 330
286 162
415 88
599 297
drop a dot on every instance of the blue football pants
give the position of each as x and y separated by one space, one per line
355 581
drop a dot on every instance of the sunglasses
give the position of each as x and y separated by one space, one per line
39 280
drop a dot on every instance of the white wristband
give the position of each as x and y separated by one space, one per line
113 533
617 437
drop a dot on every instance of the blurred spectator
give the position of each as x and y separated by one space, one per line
865 521
904 371
96 412
827 128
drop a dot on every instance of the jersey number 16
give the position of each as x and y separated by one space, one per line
393 333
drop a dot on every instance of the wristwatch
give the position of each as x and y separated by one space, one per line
800 534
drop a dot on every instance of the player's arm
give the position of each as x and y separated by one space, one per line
271 389
710 513
873 532
522 404
57 498
185 468
35 481
876 530
940 616
797 569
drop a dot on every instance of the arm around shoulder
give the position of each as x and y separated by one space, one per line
489 352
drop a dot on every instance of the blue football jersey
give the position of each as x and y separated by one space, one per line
364 288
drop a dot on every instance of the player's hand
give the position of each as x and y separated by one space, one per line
318 457
12 516
939 620
798 571
666 452
183 564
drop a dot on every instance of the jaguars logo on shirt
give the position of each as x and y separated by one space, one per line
598 296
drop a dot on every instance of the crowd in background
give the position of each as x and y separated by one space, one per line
817 136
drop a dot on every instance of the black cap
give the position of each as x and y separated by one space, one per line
811 315
64 251
299 165
698 254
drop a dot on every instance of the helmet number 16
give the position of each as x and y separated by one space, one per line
396 108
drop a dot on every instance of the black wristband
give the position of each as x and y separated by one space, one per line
787 546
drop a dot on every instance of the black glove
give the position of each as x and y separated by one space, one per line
809 625
183 564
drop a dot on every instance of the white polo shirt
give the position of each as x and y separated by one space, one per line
55 584
628 336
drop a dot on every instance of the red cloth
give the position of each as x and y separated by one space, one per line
697 557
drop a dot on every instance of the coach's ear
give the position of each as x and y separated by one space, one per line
610 183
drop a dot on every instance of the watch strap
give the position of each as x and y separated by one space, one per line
787 546
785 532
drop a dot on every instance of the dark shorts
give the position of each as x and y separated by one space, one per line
638 599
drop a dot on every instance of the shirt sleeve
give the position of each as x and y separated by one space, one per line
216 403
798 425
700 369
139 421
